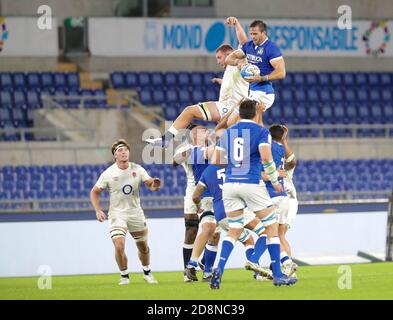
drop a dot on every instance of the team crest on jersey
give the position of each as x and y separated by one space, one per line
134 174
260 51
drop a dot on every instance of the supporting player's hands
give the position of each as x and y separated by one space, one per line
285 135
282 173
278 188
253 79
101 216
231 21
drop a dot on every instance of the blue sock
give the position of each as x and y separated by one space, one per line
226 249
209 256
260 247
274 250
249 252
284 259
192 263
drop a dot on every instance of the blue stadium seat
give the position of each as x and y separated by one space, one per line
157 80
349 79
87 102
207 78
158 96
325 95
312 95
313 112
47 80
117 80
20 99
373 79
211 95
350 95
375 95
339 113
6 99
74 101
60 80
286 95
386 80
171 96
327 113
336 80
100 100
144 79
131 80
197 95
299 79
387 94
33 80
19 80
5 81
363 113
300 94
388 112
170 79
183 79
311 79
324 79
362 95
361 79
72 80
196 79
184 97
170 112
145 97
337 95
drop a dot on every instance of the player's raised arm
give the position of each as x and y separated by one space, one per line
95 201
240 33
290 159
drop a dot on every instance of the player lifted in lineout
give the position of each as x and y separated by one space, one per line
233 89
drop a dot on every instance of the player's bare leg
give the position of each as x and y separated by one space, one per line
140 238
121 258
207 111
208 229
286 255
191 221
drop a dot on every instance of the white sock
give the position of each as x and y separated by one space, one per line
173 130
124 272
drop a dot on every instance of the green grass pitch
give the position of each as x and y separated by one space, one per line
368 281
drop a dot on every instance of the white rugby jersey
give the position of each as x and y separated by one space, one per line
123 187
233 88
288 183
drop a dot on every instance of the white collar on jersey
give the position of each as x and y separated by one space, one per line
247 120
261 43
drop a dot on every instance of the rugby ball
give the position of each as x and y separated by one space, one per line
249 70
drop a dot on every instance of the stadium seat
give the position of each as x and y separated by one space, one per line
157 80
183 79
19 80
158 96
47 80
373 79
360 79
130 80
324 80
19 99
33 80
170 79
171 96
5 81
196 79
170 112
6 99
145 97
386 80
60 80
117 80
144 79
72 80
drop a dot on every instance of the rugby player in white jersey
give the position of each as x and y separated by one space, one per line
233 89
288 217
123 180
190 156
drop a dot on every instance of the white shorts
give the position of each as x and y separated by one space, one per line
237 196
287 210
133 222
223 108
262 97
190 206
